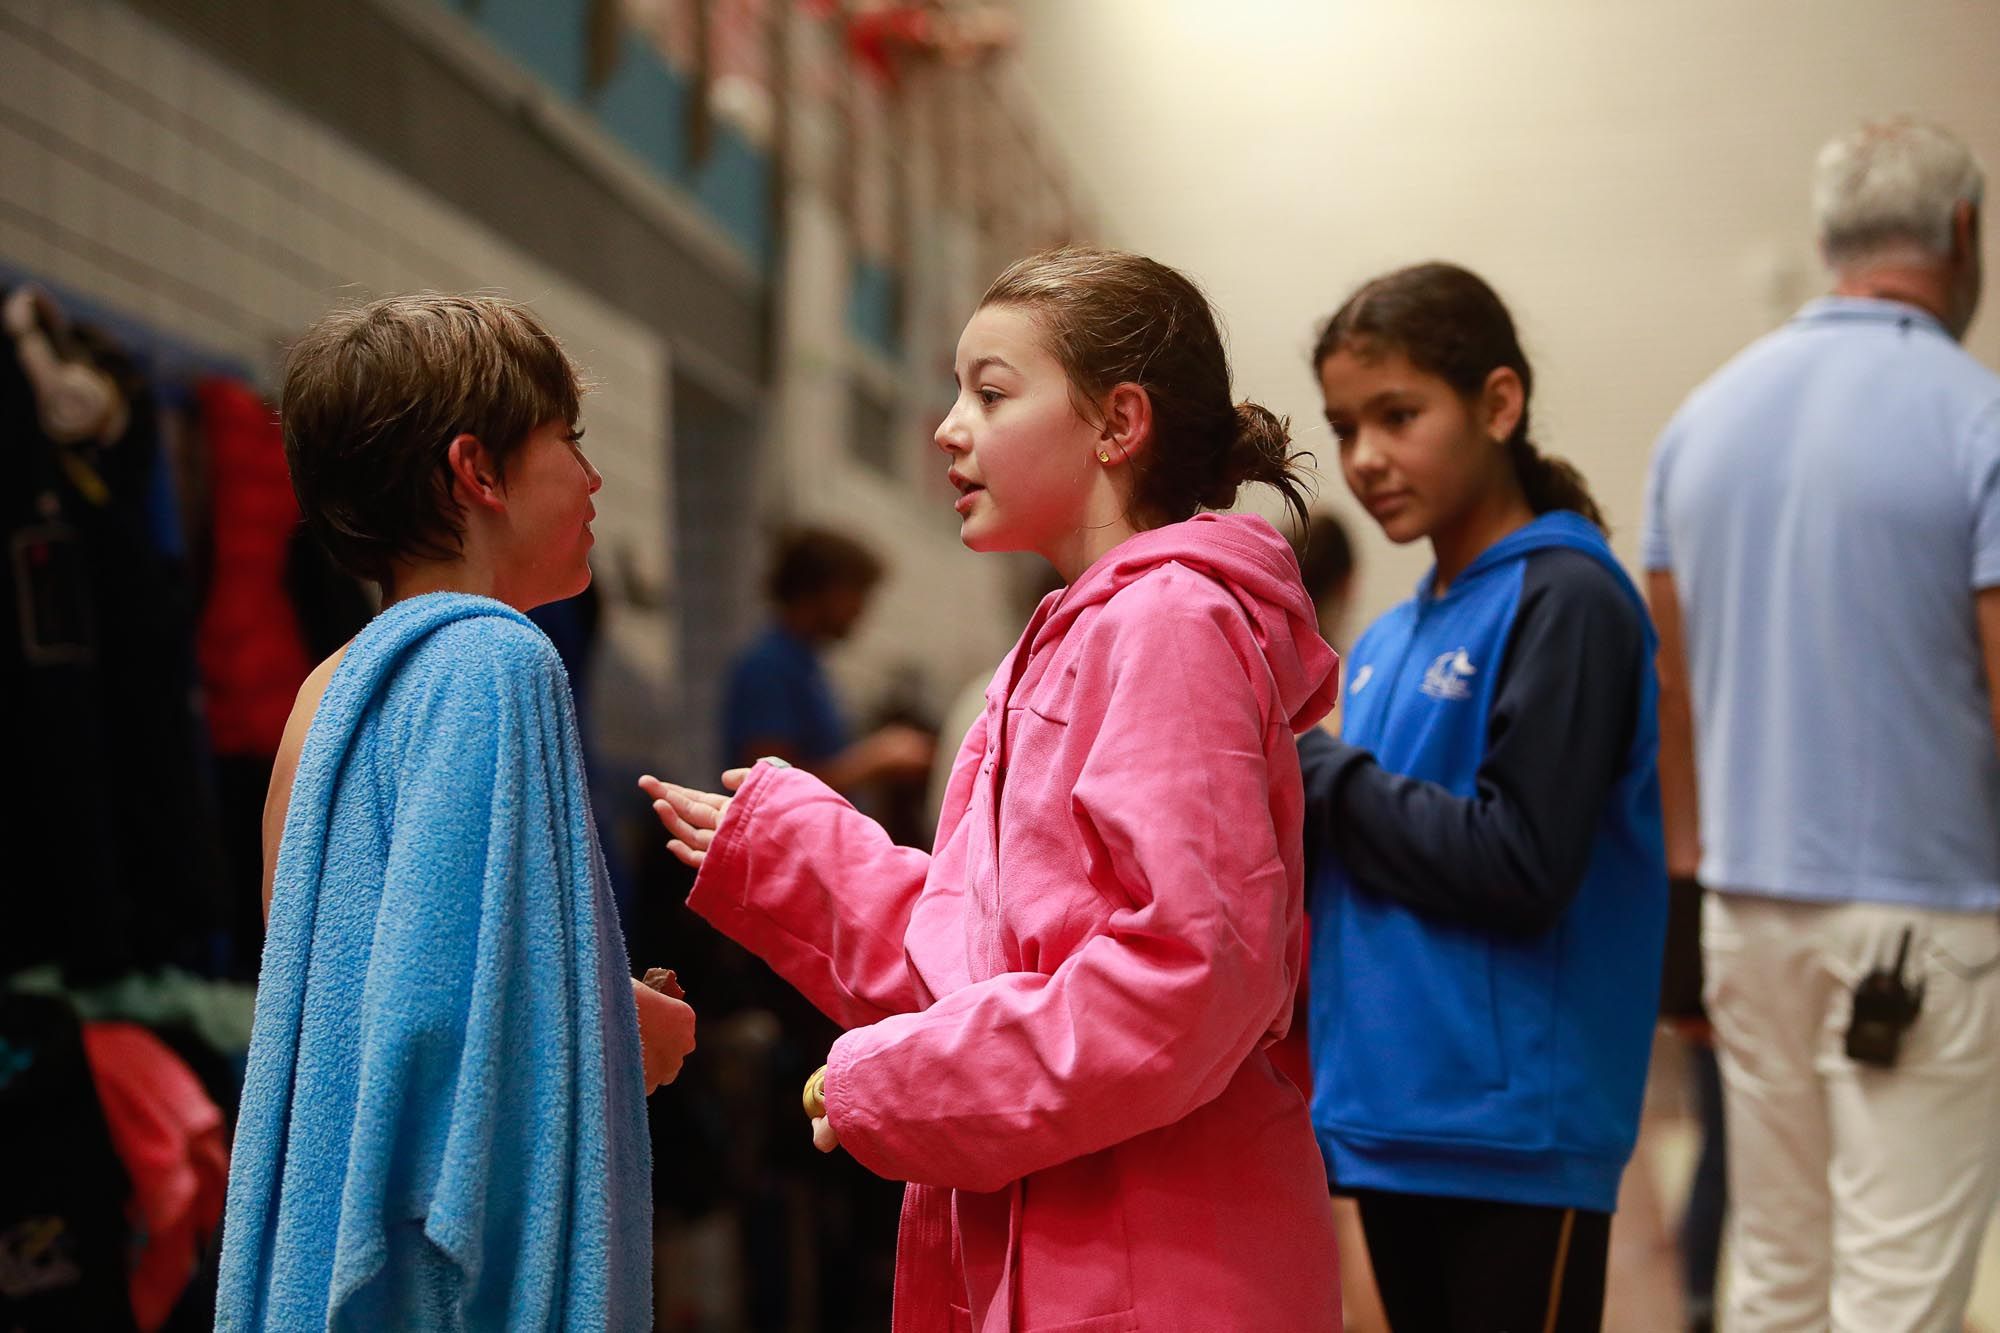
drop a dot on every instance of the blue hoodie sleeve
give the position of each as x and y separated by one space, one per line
1512 855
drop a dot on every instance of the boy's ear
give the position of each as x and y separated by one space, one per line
473 474
1128 422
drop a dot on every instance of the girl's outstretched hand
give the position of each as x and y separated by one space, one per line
691 817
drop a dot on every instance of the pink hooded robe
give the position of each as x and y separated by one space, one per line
1058 1021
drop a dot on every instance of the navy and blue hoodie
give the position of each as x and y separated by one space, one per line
1489 896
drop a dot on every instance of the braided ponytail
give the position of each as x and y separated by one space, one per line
1551 483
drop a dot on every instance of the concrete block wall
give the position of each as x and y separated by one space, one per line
143 174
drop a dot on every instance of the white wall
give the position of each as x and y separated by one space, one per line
942 612
143 174
1632 177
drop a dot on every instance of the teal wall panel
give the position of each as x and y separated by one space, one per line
643 105
874 306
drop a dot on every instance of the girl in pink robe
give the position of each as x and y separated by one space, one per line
1059 1021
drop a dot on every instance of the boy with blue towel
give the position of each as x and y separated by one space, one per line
443 1124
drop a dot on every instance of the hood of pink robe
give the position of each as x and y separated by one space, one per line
1245 554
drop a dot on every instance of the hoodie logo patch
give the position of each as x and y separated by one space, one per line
1361 679
1447 677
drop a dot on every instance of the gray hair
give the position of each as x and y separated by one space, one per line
1891 186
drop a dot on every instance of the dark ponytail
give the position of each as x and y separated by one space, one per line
1449 323
1113 318
1260 454
1550 483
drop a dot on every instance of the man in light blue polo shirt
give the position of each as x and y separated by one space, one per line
1823 546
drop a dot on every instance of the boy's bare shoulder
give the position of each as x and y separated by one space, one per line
306 705
278 797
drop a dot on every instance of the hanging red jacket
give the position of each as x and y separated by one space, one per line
252 650
169 1135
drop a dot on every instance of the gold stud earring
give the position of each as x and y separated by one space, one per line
1104 455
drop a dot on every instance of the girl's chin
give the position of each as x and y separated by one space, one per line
1402 529
984 538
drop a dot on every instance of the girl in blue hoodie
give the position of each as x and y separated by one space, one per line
1489 899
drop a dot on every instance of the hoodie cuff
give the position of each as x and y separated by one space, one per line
851 1123
724 875
1325 765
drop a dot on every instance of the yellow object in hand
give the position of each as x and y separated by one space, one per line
815 1094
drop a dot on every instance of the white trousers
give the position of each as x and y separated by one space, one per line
1857 1195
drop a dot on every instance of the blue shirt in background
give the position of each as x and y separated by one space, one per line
1827 506
778 691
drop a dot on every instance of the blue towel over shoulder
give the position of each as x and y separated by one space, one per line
443 1124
